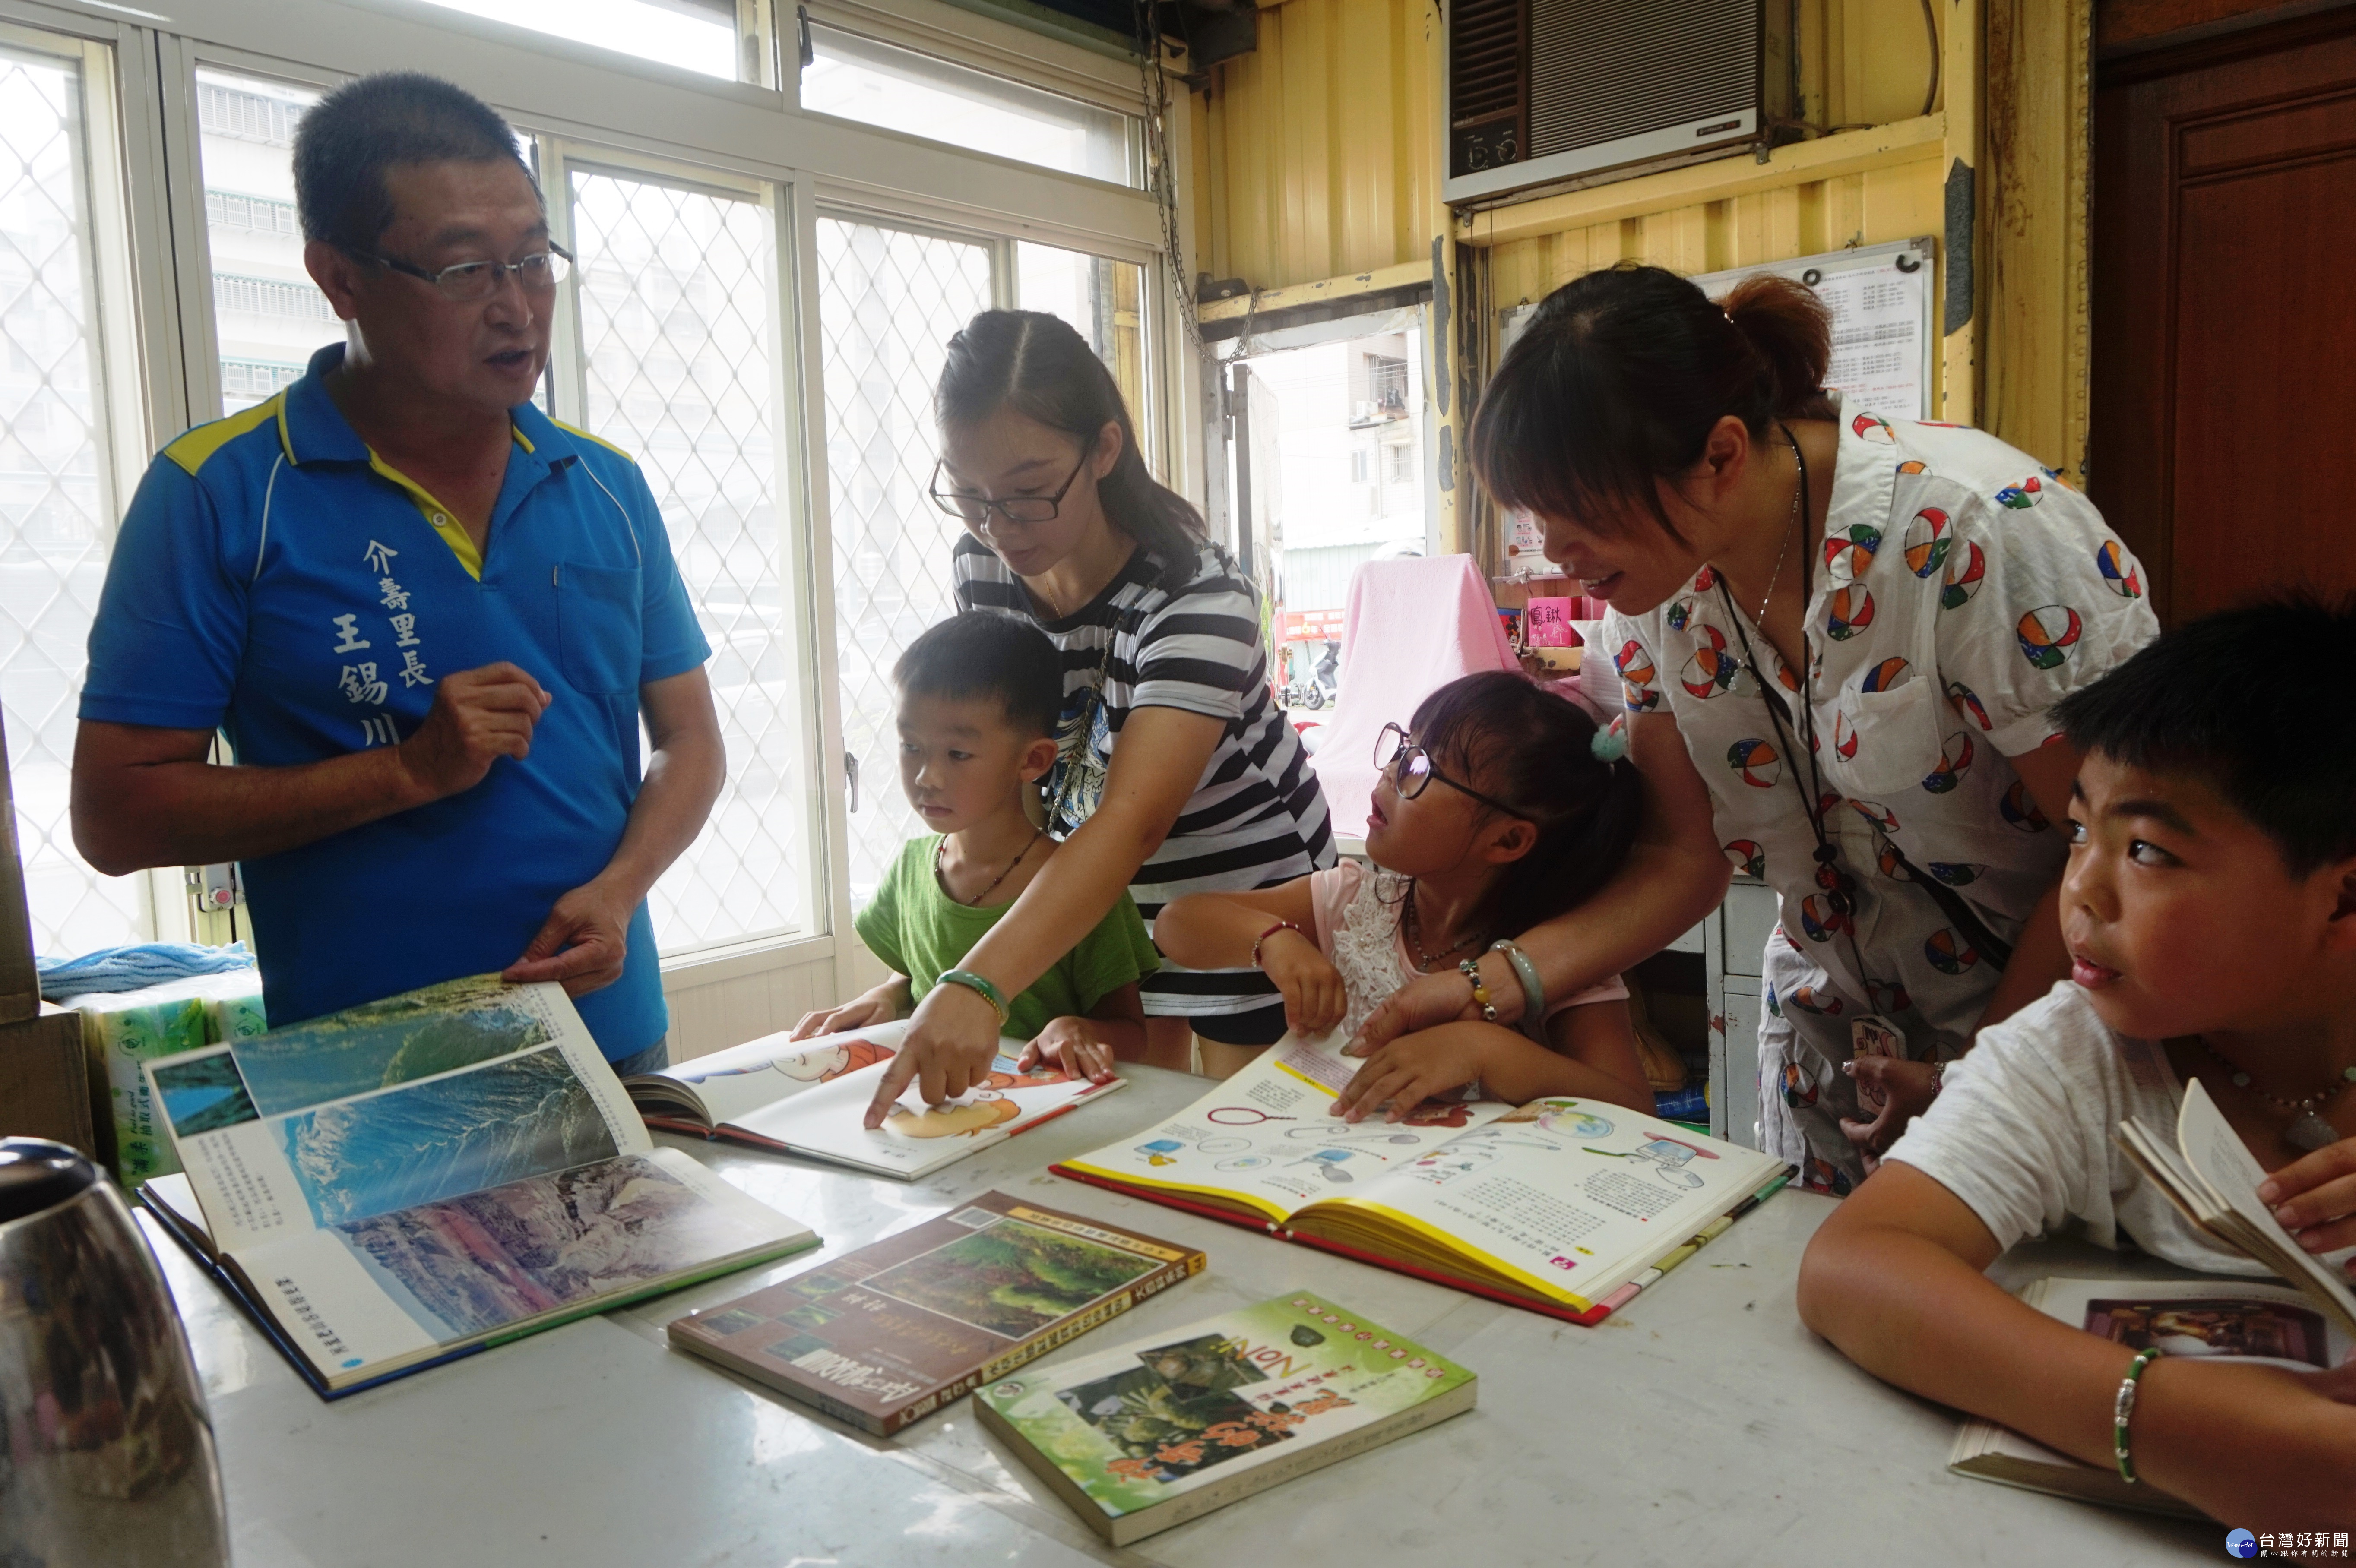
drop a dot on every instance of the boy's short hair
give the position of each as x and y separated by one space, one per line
345 144
982 653
2258 702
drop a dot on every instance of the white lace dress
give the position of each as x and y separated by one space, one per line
1358 917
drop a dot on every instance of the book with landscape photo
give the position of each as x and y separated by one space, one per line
1564 1206
2210 1174
809 1097
2211 1318
1149 1435
422 1176
891 1333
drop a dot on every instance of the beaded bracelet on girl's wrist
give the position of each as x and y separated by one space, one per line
1471 971
2123 1411
975 983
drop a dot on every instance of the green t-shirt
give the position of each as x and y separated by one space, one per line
920 932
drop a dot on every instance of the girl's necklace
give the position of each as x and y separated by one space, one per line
1412 923
2308 1130
976 900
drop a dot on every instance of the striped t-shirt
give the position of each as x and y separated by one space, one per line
1256 817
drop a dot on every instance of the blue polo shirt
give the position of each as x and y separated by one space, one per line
276 580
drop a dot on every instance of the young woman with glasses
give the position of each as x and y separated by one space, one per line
1499 806
1177 771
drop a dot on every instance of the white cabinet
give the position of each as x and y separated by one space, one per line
1734 937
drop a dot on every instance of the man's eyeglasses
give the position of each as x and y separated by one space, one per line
975 508
468 281
1412 770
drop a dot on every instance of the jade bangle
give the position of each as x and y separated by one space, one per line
1533 989
973 982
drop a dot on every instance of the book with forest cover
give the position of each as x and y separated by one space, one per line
2212 1319
809 1097
1149 1435
891 1333
1568 1207
420 1178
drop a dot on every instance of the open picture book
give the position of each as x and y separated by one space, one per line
809 1097
2244 1319
1563 1205
2209 1173
416 1179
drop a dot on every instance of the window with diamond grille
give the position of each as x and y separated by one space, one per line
889 301
678 294
266 310
57 501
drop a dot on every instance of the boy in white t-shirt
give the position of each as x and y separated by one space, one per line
2210 908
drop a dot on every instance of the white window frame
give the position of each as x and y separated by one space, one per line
680 125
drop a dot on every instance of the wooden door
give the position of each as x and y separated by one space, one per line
2224 314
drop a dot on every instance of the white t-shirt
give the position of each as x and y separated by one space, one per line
2022 1133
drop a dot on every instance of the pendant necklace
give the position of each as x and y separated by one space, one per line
975 902
2308 1130
1799 484
1412 923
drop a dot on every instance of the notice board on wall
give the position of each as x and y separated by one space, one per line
1884 331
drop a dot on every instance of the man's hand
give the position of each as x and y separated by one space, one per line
2315 1199
1314 1000
582 943
1905 1089
880 1006
952 1039
1409 1071
1069 1043
479 716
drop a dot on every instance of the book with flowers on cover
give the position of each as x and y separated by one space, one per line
1565 1206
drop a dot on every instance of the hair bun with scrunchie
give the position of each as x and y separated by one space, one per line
1610 743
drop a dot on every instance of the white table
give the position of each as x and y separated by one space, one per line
1703 1426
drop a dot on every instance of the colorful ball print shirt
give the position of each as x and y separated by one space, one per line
1960 590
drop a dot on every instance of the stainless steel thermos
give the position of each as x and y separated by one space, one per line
106 1453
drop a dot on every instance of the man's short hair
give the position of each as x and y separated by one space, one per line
982 653
343 147
2258 703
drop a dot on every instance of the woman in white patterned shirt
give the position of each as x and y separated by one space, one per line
1177 773
1838 636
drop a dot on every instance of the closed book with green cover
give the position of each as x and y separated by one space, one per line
1162 1430
890 1333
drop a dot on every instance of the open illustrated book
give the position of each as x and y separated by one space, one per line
2271 1324
1566 1207
809 1097
2210 1174
416 1179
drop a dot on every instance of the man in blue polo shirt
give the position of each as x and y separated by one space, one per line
428 618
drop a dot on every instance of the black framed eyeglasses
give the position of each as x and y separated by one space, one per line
468 281
1402 756
975 508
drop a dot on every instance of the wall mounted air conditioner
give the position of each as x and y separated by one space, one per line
1549 92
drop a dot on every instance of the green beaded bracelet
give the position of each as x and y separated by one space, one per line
973 982
2123 1408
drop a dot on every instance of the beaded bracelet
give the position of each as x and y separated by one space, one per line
973 982
2123 1408
1533 989
1471 970
1271 931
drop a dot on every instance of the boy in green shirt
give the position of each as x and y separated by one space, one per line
979 697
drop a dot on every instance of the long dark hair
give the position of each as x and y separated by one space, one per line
1619 376
1534 751
1036 365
